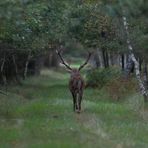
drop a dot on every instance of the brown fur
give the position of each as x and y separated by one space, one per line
76 83
76 86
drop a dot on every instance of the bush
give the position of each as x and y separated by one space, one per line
119 88
100 77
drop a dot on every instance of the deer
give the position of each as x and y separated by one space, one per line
76 82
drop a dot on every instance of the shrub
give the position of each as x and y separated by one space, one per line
100 77
119 88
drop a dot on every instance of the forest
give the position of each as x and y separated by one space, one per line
73 73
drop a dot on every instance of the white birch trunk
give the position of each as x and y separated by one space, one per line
100 57
132 56
145 76
119 60
125 60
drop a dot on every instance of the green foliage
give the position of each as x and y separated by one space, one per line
32 25
39 25
100 77
136 14
99 24
91 26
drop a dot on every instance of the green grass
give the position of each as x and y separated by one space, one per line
39 114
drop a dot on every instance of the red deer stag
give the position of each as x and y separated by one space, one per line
76 83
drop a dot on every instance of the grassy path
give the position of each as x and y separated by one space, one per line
39 115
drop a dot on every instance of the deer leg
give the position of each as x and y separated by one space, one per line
74 100
77 103
80 100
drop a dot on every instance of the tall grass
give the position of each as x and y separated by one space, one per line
38 114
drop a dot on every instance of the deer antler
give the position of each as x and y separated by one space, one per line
63 62
89 55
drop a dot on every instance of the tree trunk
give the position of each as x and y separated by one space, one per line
96 60
16 69
2 73
104 60
54 59
136 63
107 59
100 57
3 76
26 66
145 76
112 58
122 61
51 59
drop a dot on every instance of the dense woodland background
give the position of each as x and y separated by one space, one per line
115 31
30 31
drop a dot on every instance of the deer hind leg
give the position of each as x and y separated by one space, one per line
77 102
74 100
80 100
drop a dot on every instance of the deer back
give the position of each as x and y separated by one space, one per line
76 83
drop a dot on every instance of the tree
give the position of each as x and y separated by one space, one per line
30 29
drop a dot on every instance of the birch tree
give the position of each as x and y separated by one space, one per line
133 58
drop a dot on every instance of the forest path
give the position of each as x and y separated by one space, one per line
39 114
